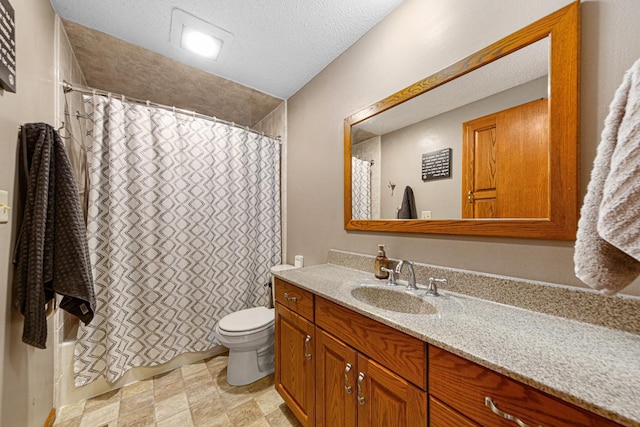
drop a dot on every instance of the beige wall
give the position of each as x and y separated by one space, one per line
417 39
27 373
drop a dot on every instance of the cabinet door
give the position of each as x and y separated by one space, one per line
336 373
294 369
386 399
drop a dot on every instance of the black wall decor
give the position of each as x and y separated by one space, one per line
436 164
7 47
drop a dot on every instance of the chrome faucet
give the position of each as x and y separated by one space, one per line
432 289
392 276
411 281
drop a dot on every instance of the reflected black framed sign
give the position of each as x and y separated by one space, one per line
7 47
436 165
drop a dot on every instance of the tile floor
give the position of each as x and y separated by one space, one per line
196 395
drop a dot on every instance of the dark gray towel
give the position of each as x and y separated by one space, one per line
51 254
408 208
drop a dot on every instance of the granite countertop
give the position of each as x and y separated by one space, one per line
591 366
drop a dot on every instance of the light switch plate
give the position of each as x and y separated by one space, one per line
4 202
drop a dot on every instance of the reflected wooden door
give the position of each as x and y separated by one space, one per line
505 163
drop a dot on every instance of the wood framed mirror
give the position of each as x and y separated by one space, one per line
490 163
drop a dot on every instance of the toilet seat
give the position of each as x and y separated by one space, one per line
248 321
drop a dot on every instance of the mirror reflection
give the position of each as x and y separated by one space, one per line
477 147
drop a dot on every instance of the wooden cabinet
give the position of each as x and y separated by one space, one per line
294 360
354 390
369 374
366 373
485 397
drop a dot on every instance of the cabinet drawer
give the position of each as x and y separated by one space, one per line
295 299
440 415
465 385
399 352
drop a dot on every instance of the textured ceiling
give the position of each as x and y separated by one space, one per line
278 45
117 66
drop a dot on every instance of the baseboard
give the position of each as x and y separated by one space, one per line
51 418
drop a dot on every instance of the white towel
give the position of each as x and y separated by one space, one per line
607 255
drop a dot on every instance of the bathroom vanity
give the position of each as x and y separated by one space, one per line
343 362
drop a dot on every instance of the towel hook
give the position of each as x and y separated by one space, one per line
59 130
392 186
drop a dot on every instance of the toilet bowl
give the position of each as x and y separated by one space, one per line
249 336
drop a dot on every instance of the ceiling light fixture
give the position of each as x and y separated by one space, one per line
201 43
200 37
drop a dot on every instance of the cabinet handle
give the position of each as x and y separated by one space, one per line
489 404
347 387
288 298
361 398
307 353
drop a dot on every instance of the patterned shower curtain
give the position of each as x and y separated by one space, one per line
183 227
360 189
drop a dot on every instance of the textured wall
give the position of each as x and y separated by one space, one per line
27 373
417 39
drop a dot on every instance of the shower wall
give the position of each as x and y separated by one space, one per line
275 124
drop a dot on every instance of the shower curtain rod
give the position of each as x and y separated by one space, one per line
69 87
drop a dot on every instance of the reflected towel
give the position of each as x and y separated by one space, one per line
607 255
408 208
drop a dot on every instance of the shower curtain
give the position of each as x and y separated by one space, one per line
360 189
183 227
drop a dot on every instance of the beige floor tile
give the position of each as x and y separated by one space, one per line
171 406
218 364
262 385
198 392
137 387
245 414
205 411
269 401
103 400
196 395
165 391
282 417
221 420
181 419
193 368
262 422
220 379
216 361
167 378
235 396
144 417
71 422
198 377
71 411
136 402
102 416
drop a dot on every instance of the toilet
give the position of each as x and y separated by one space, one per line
249 336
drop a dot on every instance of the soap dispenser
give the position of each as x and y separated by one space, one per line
381 261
